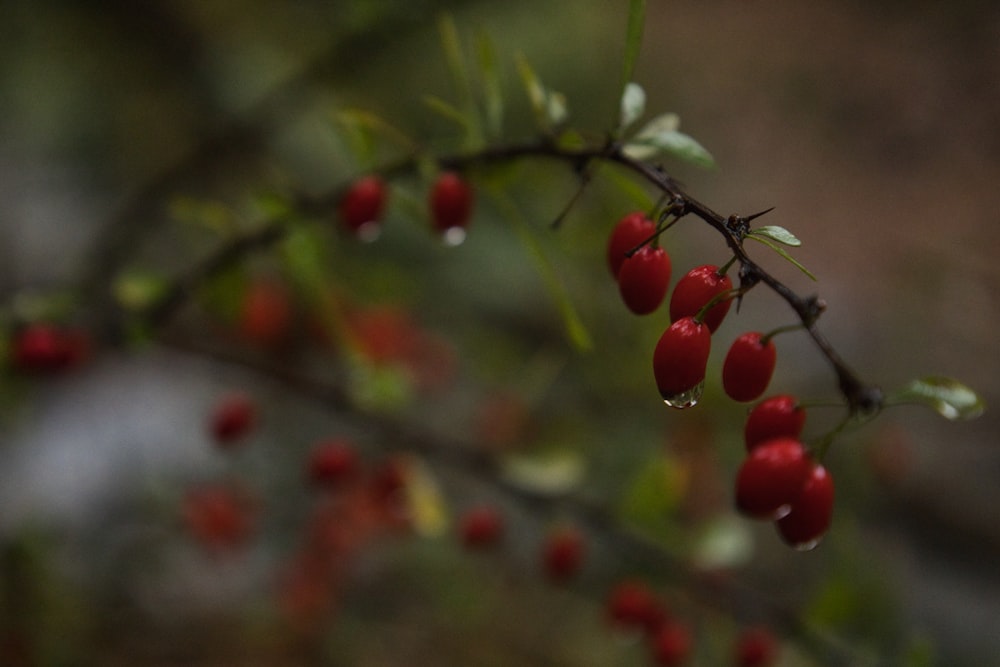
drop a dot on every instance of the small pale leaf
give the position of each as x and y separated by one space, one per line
553 473
948 397
633 105
661 135
781 251
779 234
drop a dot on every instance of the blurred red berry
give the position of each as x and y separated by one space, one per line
362 205
333 462
811 512
481 527
219 517
755 647
671 645
632 605
450 202
232 419
48 348
265 316
779 416
562 554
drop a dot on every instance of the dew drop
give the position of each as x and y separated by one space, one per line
453 236
808 545
686 399
369 232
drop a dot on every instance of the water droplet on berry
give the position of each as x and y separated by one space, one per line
369 231
453 236
686 399
808 545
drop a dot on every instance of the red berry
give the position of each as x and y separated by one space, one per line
643 280
771 478
671 644
699 286
811 512
755 647
232 418
46 348
633 606
361 206
266 313
779 416
562 555
748 367
333 462
450 202
681 357
630 231
219 517
481 527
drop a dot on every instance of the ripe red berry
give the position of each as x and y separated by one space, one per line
562 554
481 527
219 517
266 313
755 647
633 606
693 291
47 348
771 478
643 280
361 206
779 416
333 462
232 418
450 203
671 644
811 513
680 360
748 367
630 231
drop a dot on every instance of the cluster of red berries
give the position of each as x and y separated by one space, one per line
779 480
631 605
699 303
450 204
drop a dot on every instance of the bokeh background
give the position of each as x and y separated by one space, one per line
870 126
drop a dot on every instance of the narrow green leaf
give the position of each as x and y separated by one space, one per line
492 90
784 253
536 91
455 59
779 234
576 331
633 37
358 118
633 105
446 110
948 397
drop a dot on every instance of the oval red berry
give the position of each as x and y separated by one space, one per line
771 478
630 231
748 367
811 513
681 357
451 202
643 280
363 203
779 416
693 292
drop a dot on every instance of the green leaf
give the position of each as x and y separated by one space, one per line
306 261
633 37
492 90
576 331
448 111
549 107
455 57
661 135
358 119
779 234
784 253
948 397
633 105
136 291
